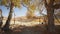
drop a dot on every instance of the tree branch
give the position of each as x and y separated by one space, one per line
57 6
26 6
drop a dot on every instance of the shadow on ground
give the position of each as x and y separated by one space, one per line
38 29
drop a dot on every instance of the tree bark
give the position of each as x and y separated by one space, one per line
6 27
50 15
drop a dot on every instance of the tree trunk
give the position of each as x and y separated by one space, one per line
50 15
1 18
6 27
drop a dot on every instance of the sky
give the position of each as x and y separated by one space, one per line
18 11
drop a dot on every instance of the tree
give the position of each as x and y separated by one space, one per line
10 4
49 4
50 14
32 5
30 14
29 4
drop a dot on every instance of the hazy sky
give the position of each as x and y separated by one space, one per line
19 12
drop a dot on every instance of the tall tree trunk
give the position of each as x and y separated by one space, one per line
1 18
50 14
6 27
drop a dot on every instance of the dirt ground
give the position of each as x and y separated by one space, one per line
39 29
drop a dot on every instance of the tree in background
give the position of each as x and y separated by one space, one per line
10 4
30 14
29 4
